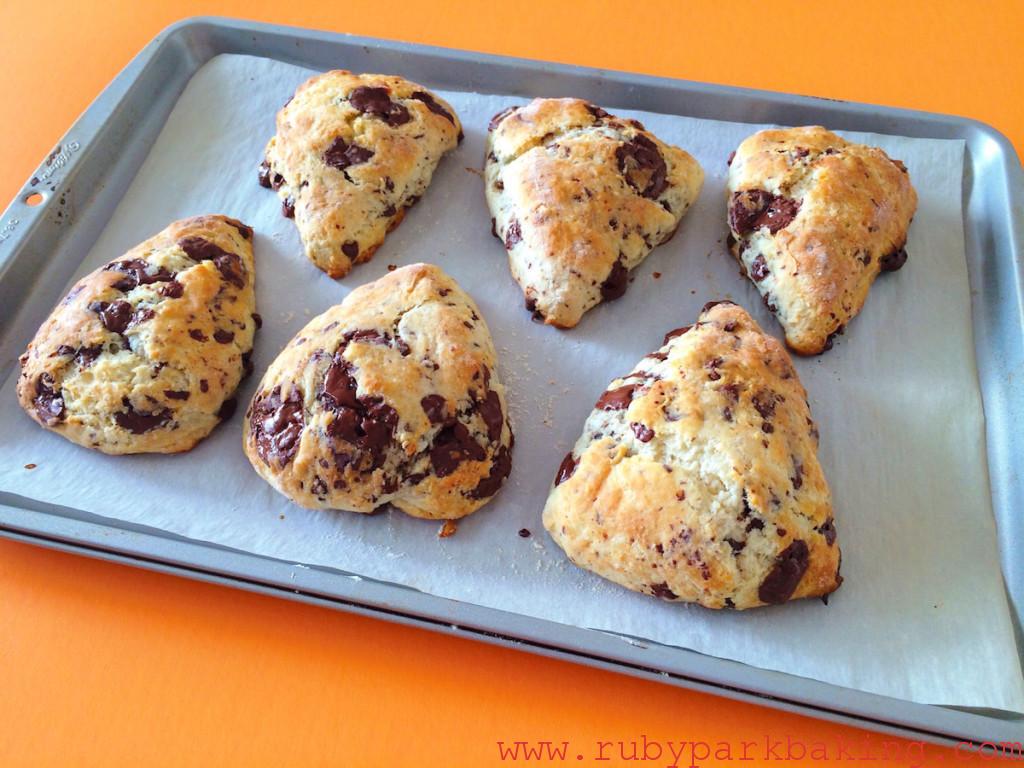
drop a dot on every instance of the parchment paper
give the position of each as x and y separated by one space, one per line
922 615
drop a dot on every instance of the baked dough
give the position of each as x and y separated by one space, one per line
813 220
144 354
579 197
351 154
696 477
391 396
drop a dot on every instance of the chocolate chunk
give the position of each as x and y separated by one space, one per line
614 286
257 320
243 229
228 264
115 316
596 111
204 385
501 467
86 356
531 306
318 487
433 106
377 102
616 399
764 402
751 209
288 207
513 234
453 445
490 411
494 228
176 394
435 407
713 366
737 546
198 335
662 591
732 156
368 336
172 290
350 248
339 387
642 431
828 530
567 468
277 425
263 174
643 167
342 155
711 304
675 332
524 533
892 261
784 577
759 269
247 365
496 120
139 422
830 339
227 409
135 274
798 475
49 401
899 164
223 337
757 524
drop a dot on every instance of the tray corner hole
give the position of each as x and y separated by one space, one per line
33 199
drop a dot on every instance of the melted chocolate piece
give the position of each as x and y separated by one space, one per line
496 120
350 248
790 566
342 155
243 229
764 402
277 425
490 411
453 445
228 264
86 356
175 394
501 467
139 422
115 316
135 274
596 111
172 290
751 209
828 530
642 431
433 106
513 234
223 337
890 262
435 408
566 469
614 286
616 399
643 167
198 335
759 269
662 591
339 387
676 332
377 102
49 401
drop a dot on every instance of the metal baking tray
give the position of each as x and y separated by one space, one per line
84 177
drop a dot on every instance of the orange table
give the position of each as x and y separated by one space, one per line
107 665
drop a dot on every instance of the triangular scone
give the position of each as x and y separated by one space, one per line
696 477
351 154
144 354
391 396
813 220
579 197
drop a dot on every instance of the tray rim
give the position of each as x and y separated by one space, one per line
112 540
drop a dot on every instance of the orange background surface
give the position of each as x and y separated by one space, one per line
107 665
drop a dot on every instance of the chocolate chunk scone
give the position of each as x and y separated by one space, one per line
814 219
579 197
351 154
144 354
391 396
697 478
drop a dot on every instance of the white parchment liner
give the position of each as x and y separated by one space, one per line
922 615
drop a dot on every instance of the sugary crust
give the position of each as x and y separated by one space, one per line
699 483
144 353
389 388
855 206
347 161
579 197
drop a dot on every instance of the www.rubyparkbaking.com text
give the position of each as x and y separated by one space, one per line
767 751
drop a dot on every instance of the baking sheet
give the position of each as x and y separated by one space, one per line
922 615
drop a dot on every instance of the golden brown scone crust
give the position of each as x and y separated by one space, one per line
391 396
579 197
351 154
814 219
144 354
696 477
